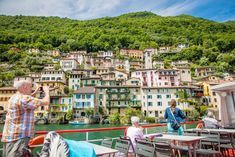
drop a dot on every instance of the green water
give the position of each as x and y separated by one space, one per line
92 135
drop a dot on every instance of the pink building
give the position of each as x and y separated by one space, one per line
167 77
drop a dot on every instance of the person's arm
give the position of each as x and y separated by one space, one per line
46 99
140 133
166 114
29 102
181 114
36 90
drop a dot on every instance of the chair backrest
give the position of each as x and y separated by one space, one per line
107 143
128 139
144 148
122 146
163 150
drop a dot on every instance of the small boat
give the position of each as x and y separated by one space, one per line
77 123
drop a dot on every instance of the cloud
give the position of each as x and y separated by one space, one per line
178 8
82 9
90 9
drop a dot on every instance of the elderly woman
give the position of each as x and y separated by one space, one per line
174 116
210 122
135 131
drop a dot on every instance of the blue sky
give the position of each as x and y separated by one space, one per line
217 10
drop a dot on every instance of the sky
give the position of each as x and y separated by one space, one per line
217 10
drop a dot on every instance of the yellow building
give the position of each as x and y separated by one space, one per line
55 95
5 94
212 97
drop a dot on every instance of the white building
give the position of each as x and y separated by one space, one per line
53 75
23 78
105 54
185 74
120 75
148 54
123 65
75 78
157 99
226 92
78 55
68 64
67 103
147 77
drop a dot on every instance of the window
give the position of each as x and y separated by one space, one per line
149 97
83 96
88 104
62 101
169 103
88 96
150 104
53 78
177 96
159 96
215 100
159 103
168 96
78 96
214 94
134 96
101 96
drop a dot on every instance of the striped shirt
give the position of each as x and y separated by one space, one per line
19 121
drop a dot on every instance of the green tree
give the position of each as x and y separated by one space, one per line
69 115
129 112
114 118
89 112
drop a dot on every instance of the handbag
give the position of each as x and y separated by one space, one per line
175 125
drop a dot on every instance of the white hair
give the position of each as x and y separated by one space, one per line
210 114
135 119
19 84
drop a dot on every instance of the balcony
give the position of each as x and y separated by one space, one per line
134 105
118 91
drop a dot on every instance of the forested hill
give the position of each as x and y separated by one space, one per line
134 30
211 43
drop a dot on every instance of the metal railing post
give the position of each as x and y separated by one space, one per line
87 137
146 131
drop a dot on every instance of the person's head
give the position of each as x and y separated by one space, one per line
24 87
210 115
135 120
173 103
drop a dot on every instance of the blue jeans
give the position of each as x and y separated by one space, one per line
171 130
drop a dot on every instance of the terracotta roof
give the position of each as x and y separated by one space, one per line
85 90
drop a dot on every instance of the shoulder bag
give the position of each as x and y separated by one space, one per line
175 125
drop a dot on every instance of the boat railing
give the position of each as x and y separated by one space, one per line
87 131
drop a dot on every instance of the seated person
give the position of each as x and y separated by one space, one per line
134 131
210 122
55 145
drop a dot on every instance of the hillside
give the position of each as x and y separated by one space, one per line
211 43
